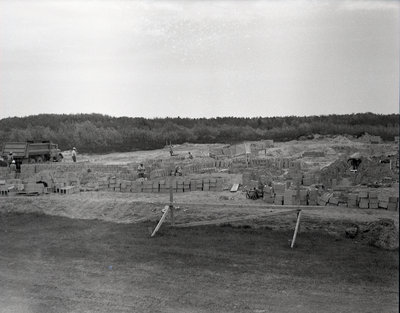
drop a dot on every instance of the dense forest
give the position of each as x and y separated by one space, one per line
101 133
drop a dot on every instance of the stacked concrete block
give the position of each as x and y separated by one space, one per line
278 188
312 197
303 197
147 186
352 200
373 199
163 187
268 196
112 183
324 198
220 184
186 185
278 200
295 164
34 188
179 186
393 204
196 184
206 184
126 185
213 184
69 190
383 200
103 183
333 201
308 179
289 197
4 189
136 186
156 186
363 203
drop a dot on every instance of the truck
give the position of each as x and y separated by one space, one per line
31 152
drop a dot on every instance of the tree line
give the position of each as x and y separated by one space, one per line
96 133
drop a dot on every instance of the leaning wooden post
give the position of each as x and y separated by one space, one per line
161 221
171 202
296 229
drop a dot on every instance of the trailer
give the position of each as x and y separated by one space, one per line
31 152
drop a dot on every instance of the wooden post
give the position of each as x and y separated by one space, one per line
171 202
296 229
161 221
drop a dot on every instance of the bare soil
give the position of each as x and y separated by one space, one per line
103 260
92 251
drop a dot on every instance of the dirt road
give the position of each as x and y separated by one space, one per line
57 264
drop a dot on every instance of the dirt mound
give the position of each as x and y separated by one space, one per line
382 234
342 140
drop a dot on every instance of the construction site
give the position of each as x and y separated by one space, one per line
249 227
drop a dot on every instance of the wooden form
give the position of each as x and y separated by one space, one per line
170 209
161 221
167 209
233 219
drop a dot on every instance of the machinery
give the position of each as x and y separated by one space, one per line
254 194
31 152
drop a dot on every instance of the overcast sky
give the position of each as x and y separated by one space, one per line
198 58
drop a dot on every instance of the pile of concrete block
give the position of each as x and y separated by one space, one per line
313 154
68 190
309 179
148 186
34 188
269 196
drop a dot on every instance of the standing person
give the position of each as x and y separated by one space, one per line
10 158
171 152
74 154
141 171
13 168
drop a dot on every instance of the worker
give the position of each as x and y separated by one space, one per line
13 168
190 156
141 170
178 170
10 158
74 154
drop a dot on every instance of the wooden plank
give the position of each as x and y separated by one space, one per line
234 219
235 187
238 205
161 220
296 229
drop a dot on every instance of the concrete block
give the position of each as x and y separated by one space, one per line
393 199
373 194
363 194
373 205
278 199
392 206
69 190
383 204
334 200
364 203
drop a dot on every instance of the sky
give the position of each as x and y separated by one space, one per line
199 58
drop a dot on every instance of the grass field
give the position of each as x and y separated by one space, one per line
57 264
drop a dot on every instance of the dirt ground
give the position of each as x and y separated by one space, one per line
92 251
103 259
57 264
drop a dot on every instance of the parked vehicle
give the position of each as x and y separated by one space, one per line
31 152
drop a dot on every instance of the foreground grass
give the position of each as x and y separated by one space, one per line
54 264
